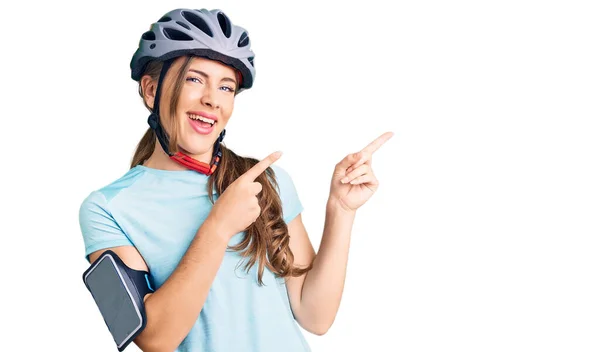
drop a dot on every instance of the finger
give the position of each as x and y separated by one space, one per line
349 160
357 164
359 171
377 143
368 179
364 158
261 166
366 153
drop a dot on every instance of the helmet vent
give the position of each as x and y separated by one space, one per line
251 59
197 21
175 34
225 24
165 19
244 40
149 36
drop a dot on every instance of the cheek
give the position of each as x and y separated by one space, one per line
186 101
227 109
189 96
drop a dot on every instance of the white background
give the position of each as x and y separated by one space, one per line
484 234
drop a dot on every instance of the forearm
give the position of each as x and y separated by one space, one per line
323 285
173 309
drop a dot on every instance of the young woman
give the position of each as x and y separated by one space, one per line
220 234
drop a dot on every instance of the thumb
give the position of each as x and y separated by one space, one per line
349 160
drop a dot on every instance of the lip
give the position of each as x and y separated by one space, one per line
199 129
204 114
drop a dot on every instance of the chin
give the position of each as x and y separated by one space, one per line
194 151
195 148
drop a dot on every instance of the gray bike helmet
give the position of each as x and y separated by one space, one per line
204 33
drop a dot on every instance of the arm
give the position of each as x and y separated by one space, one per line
173 309
315 297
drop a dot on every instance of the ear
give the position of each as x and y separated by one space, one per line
149 90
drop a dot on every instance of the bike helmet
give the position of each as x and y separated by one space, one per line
204 33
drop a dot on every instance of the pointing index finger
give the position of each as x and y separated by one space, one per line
261 166
377 143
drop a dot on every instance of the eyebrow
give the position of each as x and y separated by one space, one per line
203 74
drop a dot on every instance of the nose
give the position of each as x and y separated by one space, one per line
208 99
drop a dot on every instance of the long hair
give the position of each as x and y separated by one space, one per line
266 241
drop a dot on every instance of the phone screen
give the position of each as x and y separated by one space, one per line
114 300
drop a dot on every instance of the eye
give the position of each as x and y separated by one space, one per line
191 79
228 89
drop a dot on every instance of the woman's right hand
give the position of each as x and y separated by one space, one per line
237 207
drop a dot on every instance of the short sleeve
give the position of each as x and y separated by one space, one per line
98 227
287 192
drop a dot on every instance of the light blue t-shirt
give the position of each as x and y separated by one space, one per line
159 212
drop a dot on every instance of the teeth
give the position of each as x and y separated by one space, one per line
201 118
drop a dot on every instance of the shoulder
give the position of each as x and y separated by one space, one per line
290 200
99 227
283 178
279 171
101 197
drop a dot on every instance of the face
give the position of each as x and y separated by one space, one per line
205 106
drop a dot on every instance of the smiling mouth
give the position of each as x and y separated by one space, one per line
204 121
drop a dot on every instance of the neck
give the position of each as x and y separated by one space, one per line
160 160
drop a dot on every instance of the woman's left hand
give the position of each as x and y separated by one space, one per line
353 181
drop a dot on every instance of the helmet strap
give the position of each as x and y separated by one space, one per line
163 139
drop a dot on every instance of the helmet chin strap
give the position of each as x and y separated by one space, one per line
163 139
